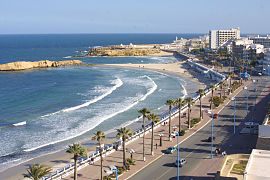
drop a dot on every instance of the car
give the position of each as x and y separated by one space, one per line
215 116
170 150
174 133
209 111
182 161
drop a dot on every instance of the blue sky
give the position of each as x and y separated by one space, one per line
132 16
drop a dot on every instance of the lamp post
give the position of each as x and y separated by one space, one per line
255 89
131 153
234 99
212 137
115 170
160 140
247 101
178 156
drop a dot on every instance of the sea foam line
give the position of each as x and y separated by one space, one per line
154 87
118 83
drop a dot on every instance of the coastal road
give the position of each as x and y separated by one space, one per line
196 149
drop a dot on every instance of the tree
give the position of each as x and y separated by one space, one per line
170 103
190 102
221 86
200 92
179 103
37 171
154 119
77 150
231 74
124 134
213 88
99 136
144 113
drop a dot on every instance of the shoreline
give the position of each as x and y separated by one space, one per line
60 158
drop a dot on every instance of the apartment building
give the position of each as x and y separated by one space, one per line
219 37
257 39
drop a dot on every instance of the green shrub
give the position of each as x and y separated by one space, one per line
224 98
106 178
195 121
217 101
120 170
130 161
182 132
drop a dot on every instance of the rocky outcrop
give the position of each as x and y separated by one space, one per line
121 52
23 65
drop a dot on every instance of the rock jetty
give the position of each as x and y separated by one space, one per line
24 65
109 51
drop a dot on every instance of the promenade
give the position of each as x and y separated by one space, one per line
93 171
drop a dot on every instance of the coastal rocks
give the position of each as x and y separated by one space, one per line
121 52
23 65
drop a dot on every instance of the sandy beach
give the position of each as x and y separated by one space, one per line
60 159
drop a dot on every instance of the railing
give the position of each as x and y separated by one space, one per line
85 161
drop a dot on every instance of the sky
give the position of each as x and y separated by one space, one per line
132 16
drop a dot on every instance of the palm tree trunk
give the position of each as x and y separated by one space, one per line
179 118
143 137
188 117
152 140
124 152
211 100
170 116
200 107
75 166
101 161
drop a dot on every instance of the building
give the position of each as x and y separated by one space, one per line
219 37
244 48
258 165
265 41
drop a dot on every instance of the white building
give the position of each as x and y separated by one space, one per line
219 37
260 40
258 165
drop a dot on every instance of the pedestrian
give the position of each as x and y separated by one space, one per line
156 145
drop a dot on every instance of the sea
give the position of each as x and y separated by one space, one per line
43 111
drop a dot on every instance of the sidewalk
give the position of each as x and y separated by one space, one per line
93 171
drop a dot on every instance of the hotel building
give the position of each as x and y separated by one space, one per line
219 37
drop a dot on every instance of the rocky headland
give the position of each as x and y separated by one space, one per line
122 50
25 65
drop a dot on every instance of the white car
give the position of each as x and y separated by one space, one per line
209 111
174 133
182 161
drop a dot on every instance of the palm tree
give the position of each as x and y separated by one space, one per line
221 86
179 103
77 150
231 74
124 134
213 88
170 103
190 102
201 93
99 136
154 119
37 171
144 113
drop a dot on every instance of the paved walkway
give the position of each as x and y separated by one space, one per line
93 171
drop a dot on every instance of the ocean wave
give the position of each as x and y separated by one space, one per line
20 123
117 83
103 118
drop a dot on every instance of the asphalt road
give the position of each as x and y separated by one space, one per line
196 148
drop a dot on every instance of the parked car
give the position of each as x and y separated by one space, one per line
170 150
215 116
182 161
174 133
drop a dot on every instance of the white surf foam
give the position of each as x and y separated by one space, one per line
117 83
20 123
102 119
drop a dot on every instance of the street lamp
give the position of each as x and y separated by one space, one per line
212 137
131 151
234 99
178 155
260 74
115 170
160 140
255 89
247 101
